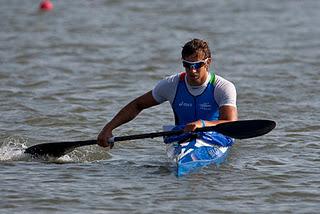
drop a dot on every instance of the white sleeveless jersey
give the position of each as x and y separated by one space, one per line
224 92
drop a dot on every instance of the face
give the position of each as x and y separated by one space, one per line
197 72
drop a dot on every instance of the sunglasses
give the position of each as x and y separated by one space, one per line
195 65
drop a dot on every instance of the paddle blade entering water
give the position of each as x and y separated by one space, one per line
57 149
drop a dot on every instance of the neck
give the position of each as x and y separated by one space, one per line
197 82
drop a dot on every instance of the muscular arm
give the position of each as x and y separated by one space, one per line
227 114
126 114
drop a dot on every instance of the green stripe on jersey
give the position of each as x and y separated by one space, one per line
213 78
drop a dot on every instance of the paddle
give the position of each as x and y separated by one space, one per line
238 129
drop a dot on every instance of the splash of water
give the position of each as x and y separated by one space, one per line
12 149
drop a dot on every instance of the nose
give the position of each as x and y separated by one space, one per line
192 69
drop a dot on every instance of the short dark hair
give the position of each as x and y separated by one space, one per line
196 46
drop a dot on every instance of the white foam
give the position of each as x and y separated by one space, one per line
12 148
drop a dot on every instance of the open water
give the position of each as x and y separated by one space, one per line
65 73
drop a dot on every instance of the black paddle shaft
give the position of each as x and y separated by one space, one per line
238 129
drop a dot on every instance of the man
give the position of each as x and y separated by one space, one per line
198 98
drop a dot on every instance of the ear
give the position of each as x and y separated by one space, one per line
208 63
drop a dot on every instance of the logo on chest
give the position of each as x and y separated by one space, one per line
205 106
202 106
183 104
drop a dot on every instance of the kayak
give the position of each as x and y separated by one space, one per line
194 153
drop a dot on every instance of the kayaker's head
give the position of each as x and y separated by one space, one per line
196 58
